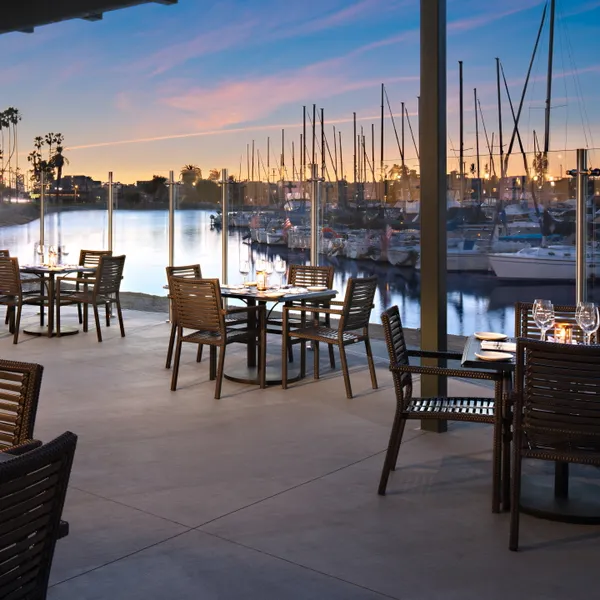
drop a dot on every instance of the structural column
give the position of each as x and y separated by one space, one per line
224 226
432 146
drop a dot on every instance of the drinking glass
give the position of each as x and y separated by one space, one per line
268 270
40 252
543 315
63 250
280 269
588 319
245 269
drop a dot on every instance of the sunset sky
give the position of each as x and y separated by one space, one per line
155 87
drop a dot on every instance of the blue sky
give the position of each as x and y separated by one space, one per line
154 87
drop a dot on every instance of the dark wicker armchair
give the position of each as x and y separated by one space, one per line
12 295
479 410
104 290
19 393
525 325
556 406
353 327
199 308
32 495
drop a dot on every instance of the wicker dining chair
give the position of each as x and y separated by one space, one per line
199 307
20 384
353 327
104 290
556 408
305 276
478 410
12 295
33 487
564 313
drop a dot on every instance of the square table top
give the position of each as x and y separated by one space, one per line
293 295
58 269
469 360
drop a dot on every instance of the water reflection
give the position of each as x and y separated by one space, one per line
475 301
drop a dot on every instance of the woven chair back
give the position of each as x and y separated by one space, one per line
189 271
91 258
32 495
525 325
198 304
397 350
10 279
19 393
558 389
305 276
358 303
109 274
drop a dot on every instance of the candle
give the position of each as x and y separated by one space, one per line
261 281
563 333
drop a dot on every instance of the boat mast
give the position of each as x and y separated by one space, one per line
314 135
461 131
335 152
303 144
477 135
354 120
268 160
381 167
502 173
373 151
282 154
293 162
341 156
247 162
549 81
402 138
252 160
323 159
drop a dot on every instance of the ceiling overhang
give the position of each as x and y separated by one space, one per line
25 15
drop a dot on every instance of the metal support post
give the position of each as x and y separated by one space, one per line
225 226
432 144
42 206
171 218
581 228
314 215
110 211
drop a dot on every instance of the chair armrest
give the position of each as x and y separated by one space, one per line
312 309
435 354
22 448
462 373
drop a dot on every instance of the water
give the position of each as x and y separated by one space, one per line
476 302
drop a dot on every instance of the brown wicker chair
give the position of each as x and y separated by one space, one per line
105 290
354 316
525 325
479 410
556 406
19 393
12 295
32 495
199 307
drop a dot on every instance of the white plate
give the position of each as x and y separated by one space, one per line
490 355
490 335
316 288
275 294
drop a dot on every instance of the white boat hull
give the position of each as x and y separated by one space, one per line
403 257
464 260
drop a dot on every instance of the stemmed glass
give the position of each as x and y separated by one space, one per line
543 315
280 269
63 251
245 269
268 269
40 252
588 319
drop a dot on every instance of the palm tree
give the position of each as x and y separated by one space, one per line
3 125
11 117
190 174
58 162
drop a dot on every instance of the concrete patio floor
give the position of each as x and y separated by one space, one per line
272 494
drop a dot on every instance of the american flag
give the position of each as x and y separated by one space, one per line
287 224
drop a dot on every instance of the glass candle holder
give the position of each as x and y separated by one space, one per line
261 281
563 333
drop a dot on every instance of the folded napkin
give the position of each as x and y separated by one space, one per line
501 346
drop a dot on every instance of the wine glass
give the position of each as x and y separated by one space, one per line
280 269
587 318
245 269
268 269
543 315
63 251
40 252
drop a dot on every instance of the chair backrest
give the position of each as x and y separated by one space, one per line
91 258
397 351
304 276
358 303
525 326
198 303
33 487
10 279
19 393
189 271
557 395
109 274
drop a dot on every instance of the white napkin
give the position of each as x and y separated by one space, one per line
502 346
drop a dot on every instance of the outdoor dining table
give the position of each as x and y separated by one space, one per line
557 498
251 296
47 273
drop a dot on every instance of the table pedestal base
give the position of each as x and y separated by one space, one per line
43 330
582 505
244 374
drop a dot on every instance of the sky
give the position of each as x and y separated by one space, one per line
154 87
